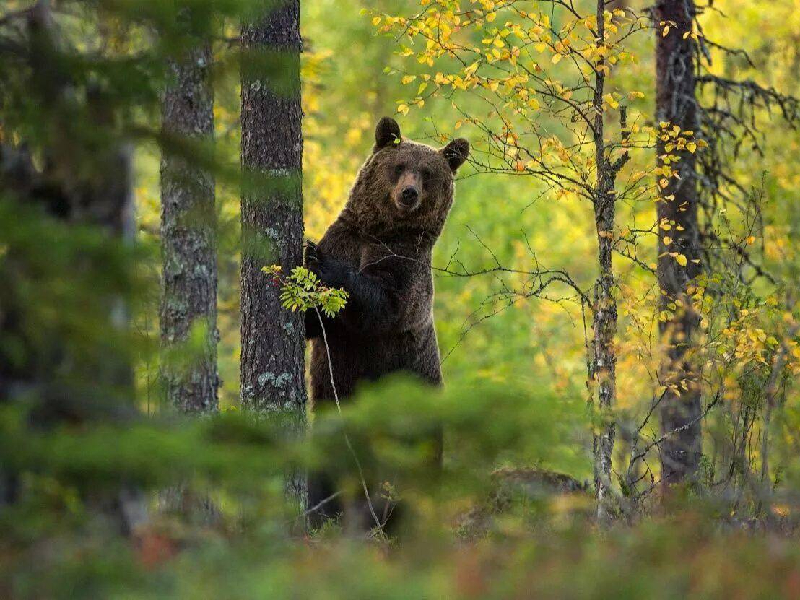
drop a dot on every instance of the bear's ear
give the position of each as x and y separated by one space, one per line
387 133
456 152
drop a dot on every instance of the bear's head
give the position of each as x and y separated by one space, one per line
404 184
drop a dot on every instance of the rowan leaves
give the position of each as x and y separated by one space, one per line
302 291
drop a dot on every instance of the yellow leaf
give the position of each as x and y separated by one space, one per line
691 147
408 79
403 108
681 260
667 240
556 59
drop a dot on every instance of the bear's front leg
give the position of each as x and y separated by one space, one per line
314 319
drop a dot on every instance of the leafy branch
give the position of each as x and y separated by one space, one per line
302 290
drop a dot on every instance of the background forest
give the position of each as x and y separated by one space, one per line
615 299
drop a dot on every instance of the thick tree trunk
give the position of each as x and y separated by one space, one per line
109 204
273 338
188 242
70 363
680 407
68 382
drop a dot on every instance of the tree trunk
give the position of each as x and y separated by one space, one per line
188 241
273 338
67 382
603 359
680 407
68 327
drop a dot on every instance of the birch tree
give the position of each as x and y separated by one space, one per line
543 71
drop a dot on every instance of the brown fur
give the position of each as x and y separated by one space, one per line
379 250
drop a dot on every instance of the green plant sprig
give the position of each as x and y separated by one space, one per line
302 290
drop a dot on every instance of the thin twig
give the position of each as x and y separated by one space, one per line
346 437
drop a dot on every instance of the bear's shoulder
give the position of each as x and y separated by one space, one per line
341 241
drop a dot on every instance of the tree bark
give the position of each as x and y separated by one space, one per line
680 407
273 338
188 241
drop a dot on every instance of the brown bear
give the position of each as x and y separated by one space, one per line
379 250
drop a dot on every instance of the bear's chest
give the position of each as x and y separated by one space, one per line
360 252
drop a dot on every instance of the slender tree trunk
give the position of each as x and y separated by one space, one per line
604 322
273 338
188 241
680 407
604 357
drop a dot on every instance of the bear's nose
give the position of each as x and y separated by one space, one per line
409 196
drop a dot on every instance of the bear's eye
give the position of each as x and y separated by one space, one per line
426 174
398 170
